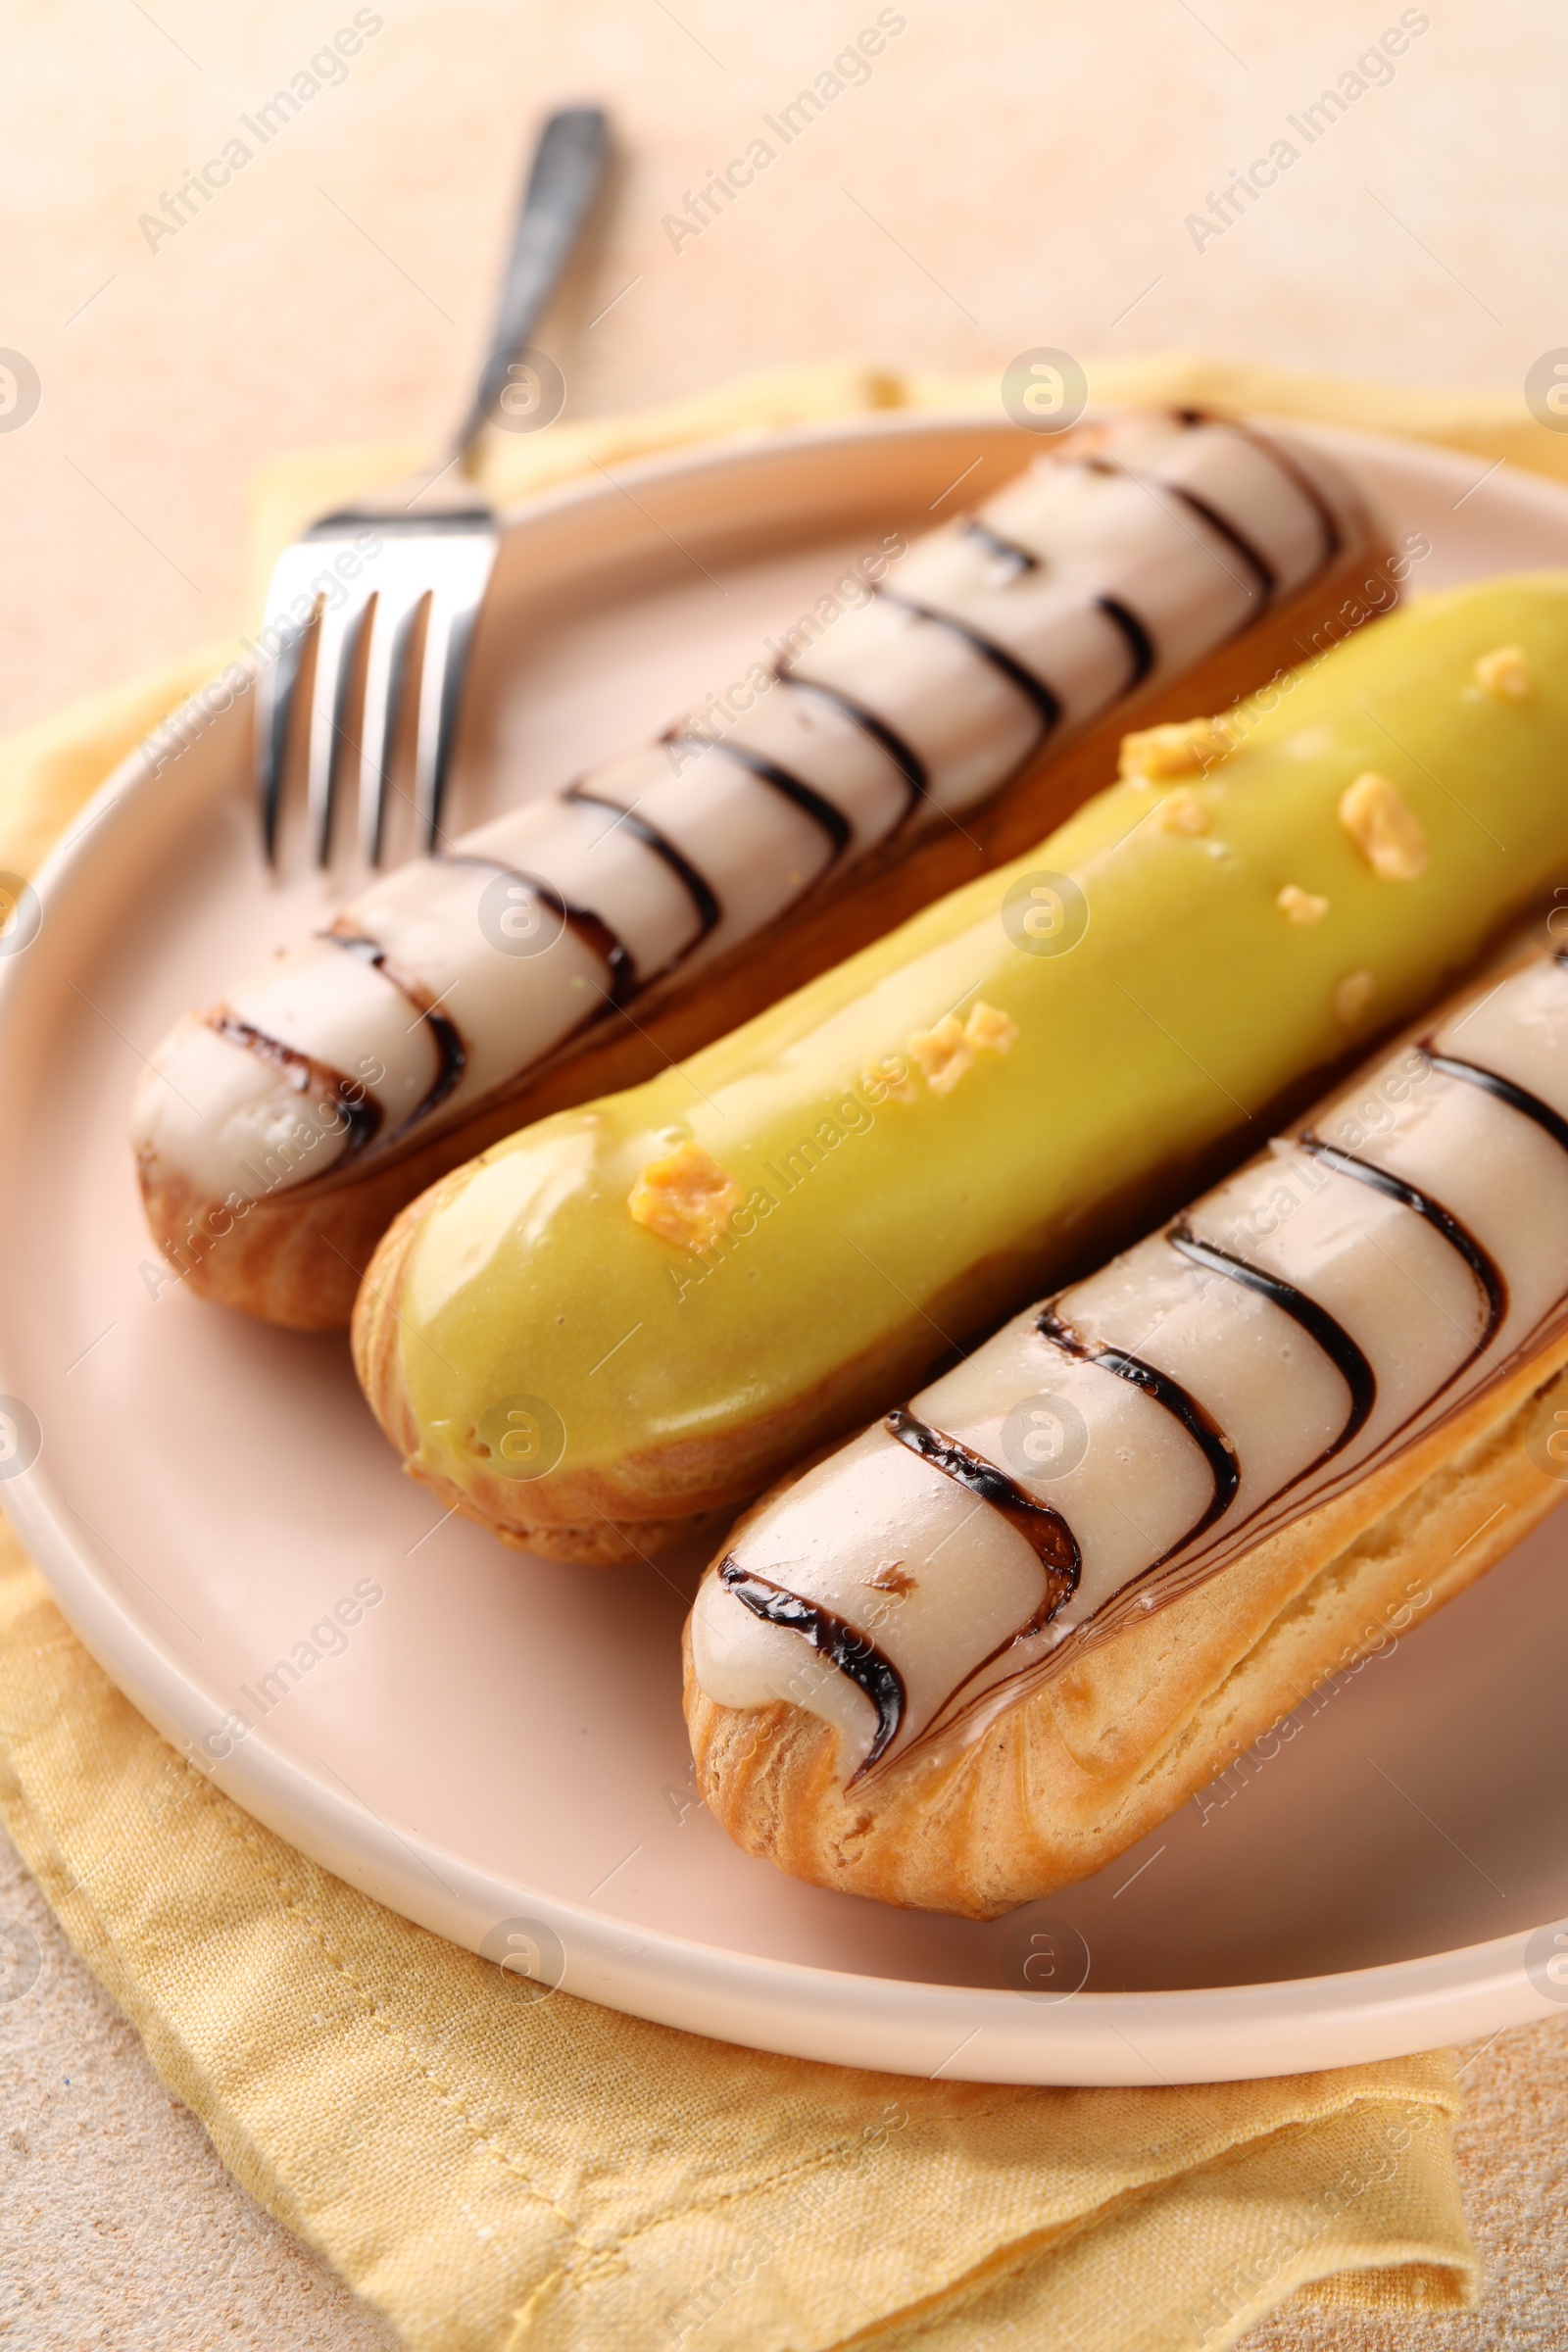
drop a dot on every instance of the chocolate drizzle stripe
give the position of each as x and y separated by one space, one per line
805 797
1005 549
1300 479
1484 1268
1045 706
1047 1532
307 1075
591 928
1139 644
854 1655
1257 563
450 1055
1331 1336
704 904
1267 1516
910 766
1042 1529
1517 1098
1200 1425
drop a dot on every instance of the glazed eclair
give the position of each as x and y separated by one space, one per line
979 1651
585 939
683 1288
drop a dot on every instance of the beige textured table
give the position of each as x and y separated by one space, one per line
1002 178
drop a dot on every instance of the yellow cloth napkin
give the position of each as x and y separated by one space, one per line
505 2174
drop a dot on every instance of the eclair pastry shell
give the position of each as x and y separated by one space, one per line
1055 1785
296 1257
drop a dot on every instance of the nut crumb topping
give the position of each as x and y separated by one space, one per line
889 1079
1300 905
948 1051
1388 833
990 1031
686 1198
1353 999
1505 673
1183 812
942 1053
1185 748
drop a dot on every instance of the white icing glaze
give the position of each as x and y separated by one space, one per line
967 724
895 1519
1051 626
728 823
328 1004
1429 1296
1160 1483
594 860
811 737
512 1007
942 726
1119 538
222 1117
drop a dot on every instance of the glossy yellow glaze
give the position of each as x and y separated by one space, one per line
1188 1005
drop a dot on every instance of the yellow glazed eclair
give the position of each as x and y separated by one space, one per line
938 710
982 1649
639 1312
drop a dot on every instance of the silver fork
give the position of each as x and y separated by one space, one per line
357 580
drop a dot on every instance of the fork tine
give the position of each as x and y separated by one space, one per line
397 605
447 638
275 703
467 562
337 635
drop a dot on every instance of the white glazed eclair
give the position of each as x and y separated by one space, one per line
980 1650
279 1132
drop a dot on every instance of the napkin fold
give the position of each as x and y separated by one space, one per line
500 2173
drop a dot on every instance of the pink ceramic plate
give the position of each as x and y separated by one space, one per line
493 1745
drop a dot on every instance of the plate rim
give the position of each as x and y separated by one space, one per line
794 2008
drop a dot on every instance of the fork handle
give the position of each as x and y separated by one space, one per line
565 176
